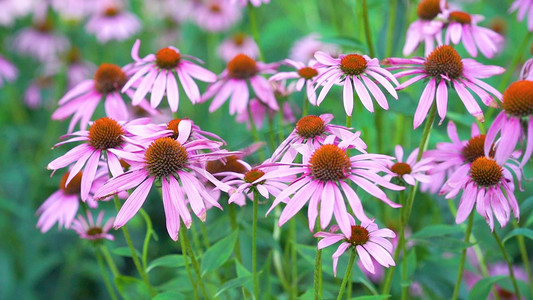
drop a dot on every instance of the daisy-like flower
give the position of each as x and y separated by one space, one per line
8 72
174 163
524 7
411 170
517 109
463 27
354 72
82 100
113 23
104 135
90 230
313 131
444 67
304 75
236 44
427 28
260 112
325 173
367 239
233 83
216 15
488 183
243 3
304 49
157 74
40 41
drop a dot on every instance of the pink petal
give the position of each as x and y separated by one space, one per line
133 203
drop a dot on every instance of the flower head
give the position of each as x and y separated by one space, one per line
410 170
216 15
93 231
41 41
304 49
8 72
304 75
524 7
113 23
427 28
236 44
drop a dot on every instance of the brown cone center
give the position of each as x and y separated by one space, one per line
109 78
242 66
485 172
253 175
460 17
428 9
401 168
307 72
353 64
73 187
474 149
165 156
167 58
105 133
359 235
329 163
518 98
310 127
444 61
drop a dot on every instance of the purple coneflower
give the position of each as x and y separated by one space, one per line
93 231
304 49
411 170
40 41
174 163
113 23
234 80
157 74
517 110
305 75
81 101
444 66
367 239
260 112
427 28
236 44
355 72
216 15
524 7
8 71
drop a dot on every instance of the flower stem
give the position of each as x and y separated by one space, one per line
149 232
305 109
109 261
390 30
509 265
185 242
317 283
347 276
368 34
463 257
348 121
187 267
399 248
108 284
294 258
235 227
255 134
255 30
254 246
134 257
525 258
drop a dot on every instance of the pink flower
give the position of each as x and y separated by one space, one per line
524 7
463 26
236 44
444 67
325 173
216 15
81 101
12 9
411 170
313 131
76 9
354 72
304 75
427 28
113 23
177 10
40 41
260 112
89 230
243 3
304 49
233 83
174 163
8 71
155 74
367 239
517 110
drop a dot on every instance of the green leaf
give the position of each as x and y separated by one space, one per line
482 288
169 295
234 283
436 231
372 297
125 251
167 261
218 254
132 288
526 232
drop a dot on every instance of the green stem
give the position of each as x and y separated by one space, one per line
463 257
525 258
509 265
255 134
305 105
348 275
368 34
254 246
399 248
109 261
185 240
255 30
390 30
149 231
235 227
134 257
187 267
205 237
278 262
108 284
317 283
294 258
348 121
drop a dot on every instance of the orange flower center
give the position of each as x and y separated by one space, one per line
474 149
167 58
165 156
44 26
359 235
242 66
460 17
105 133
310 127
214 7
401 168
428 9
73 187
253 175
444 61
173 125
485 172
307 72
109 78
232 165
329 163
239 38
353 64
111 11
94 231
518 98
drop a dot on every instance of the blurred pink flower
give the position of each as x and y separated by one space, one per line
236 44
354 72
444 67
76 9
304 49
260 112
243 3
154 74
367 239
8 71
427 28
12 9
216 15
524 7
411 170
93 231
40 41
113 23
